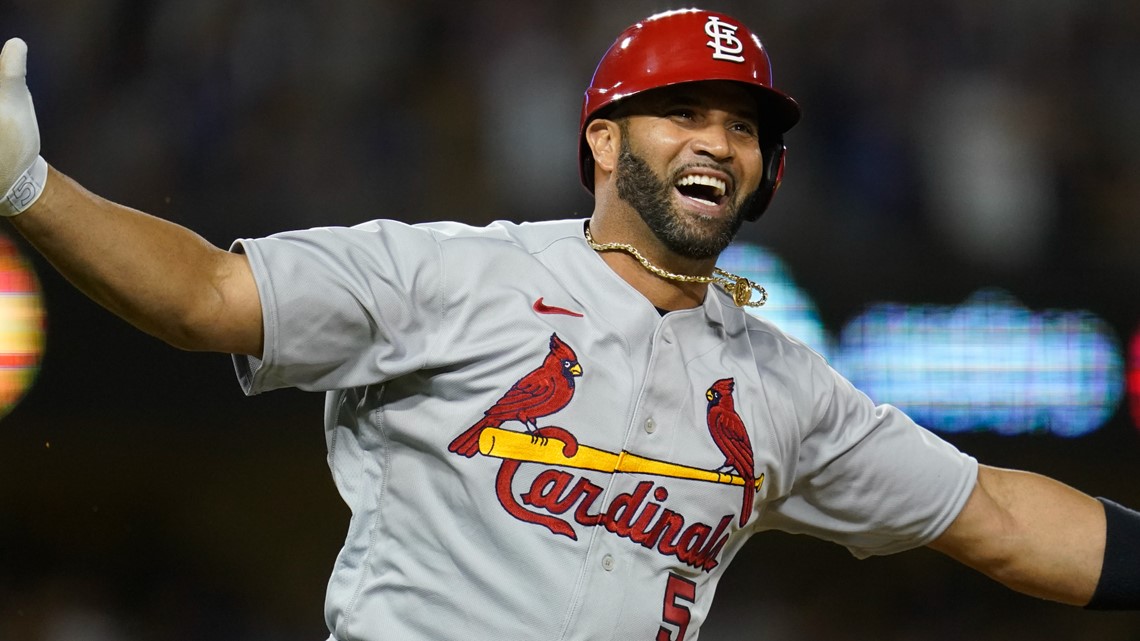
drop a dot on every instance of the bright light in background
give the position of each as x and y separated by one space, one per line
21 326
987 364
789 307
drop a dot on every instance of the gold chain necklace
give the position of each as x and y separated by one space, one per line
739 287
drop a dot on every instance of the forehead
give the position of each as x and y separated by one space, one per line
726 95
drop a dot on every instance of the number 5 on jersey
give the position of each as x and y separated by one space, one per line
677 590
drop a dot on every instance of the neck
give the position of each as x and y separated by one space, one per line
662 293
662 277
668 281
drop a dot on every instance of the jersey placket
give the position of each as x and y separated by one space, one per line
611 589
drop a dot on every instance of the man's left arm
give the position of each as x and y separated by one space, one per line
1032 534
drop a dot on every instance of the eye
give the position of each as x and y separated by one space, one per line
744 128
682 113
567 364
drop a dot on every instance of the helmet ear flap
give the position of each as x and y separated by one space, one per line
773 152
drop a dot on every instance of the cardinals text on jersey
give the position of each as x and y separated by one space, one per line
557 499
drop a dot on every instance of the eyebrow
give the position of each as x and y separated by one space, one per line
742 111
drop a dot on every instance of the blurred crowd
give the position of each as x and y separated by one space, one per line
966 122
945 145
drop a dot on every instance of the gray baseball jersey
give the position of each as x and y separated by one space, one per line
531 451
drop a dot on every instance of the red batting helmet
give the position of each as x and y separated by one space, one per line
690 45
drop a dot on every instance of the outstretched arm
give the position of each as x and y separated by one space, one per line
160 277
1032 534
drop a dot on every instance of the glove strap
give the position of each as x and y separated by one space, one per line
27 189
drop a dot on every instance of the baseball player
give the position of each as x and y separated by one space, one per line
567 430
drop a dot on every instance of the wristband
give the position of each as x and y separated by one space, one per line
27 188
1119 584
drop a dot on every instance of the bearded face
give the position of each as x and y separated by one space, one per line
683 232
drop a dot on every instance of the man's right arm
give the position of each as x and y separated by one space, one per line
160 277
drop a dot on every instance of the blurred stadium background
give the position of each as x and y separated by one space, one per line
957 232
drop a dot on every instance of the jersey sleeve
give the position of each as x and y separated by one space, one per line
868 477
342 306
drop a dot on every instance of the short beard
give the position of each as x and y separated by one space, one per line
652 198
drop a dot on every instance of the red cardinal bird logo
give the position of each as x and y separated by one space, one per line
540 393
730 436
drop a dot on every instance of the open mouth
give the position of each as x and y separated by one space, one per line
708 190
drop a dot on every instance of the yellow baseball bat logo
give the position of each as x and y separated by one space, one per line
517 446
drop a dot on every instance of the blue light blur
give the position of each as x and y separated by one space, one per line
987 364
789 307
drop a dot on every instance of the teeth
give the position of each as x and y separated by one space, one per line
707 181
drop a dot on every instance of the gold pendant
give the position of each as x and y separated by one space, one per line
740 288
742 292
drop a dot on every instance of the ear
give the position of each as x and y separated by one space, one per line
604 138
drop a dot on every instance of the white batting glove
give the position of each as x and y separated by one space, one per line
22 170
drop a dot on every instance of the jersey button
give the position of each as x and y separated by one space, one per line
650 426
608 562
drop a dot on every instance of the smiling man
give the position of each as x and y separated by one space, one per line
712 143
568 429
685 160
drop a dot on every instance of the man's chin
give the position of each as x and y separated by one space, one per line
698 243
708 235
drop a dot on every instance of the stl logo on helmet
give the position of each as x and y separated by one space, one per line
724 43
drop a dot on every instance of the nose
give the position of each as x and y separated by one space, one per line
712 141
